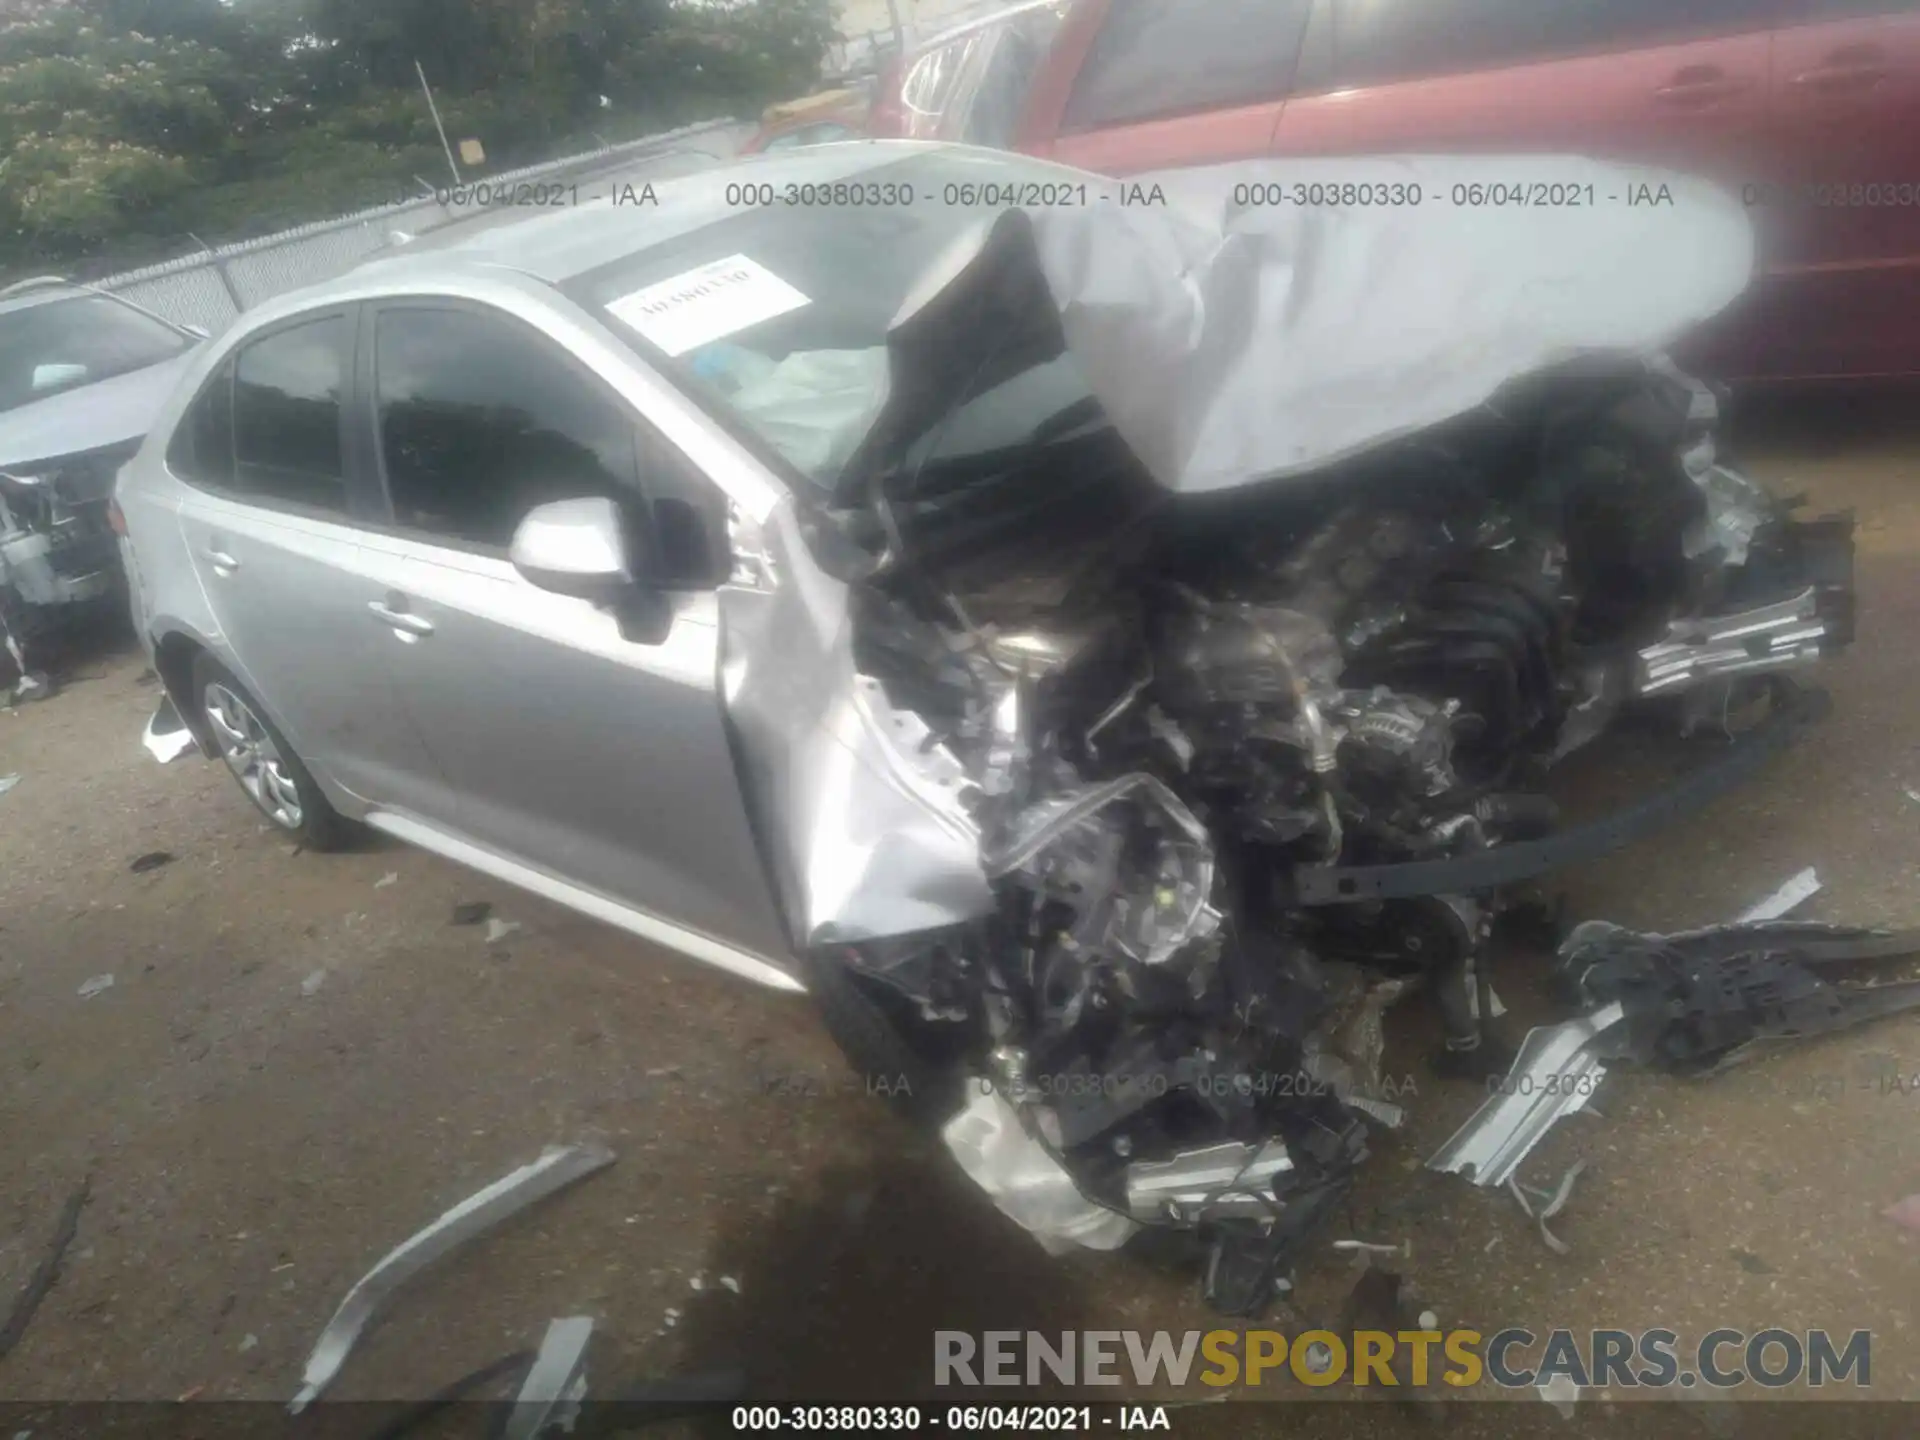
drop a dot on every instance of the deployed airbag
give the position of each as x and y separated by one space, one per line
1233 342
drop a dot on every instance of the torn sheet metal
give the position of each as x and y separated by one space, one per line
1794 892
1551 1203
167 737
556 1384
1027 1183
862 813
1232 344
1785 635
1211 1183
558 1167
1556 1073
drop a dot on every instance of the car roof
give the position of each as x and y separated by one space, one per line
572 241
41 290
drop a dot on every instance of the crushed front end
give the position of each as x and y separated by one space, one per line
1172 724
59 557
1201 777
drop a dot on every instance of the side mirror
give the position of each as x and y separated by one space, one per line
55 374
578 548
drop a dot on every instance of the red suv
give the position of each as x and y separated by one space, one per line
1810 108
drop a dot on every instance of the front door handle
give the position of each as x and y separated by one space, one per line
408 626
1698 85
222 562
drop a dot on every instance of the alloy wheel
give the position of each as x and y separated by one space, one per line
253 757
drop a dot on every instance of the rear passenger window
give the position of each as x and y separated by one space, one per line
1154 58
480 422
286 417
1376 41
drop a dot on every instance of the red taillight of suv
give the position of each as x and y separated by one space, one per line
116 521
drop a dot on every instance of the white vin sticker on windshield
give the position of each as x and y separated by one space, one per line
716 300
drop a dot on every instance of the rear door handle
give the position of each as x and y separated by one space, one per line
408 626
222 562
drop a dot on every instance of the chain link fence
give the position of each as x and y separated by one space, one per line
212 288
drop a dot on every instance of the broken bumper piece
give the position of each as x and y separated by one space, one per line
1556 1073
167 737
557 1383
558 1167
1701 1000
1213 1183
1026 1182
1787 635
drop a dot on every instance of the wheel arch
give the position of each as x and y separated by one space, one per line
174 653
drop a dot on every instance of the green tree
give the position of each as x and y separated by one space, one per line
126 124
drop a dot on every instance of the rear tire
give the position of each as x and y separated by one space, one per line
261 761
879 1046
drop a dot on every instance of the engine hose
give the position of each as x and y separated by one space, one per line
1519 815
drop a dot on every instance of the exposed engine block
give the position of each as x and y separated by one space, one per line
1378 679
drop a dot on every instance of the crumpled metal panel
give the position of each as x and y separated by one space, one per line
1767 639
865 824
1227 346
1027 1183
550 1396
558 1167
1232 344
1556 1073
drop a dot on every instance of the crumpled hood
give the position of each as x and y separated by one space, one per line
1230 345
93 417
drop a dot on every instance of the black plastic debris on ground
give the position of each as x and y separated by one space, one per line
46 1272
1697 1001
471 912
152 860
1751 1263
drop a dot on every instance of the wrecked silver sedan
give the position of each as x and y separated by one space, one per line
1105 642
82 374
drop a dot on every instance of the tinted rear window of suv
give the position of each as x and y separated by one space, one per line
1379 41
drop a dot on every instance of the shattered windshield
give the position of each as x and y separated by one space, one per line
52 348
778 317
